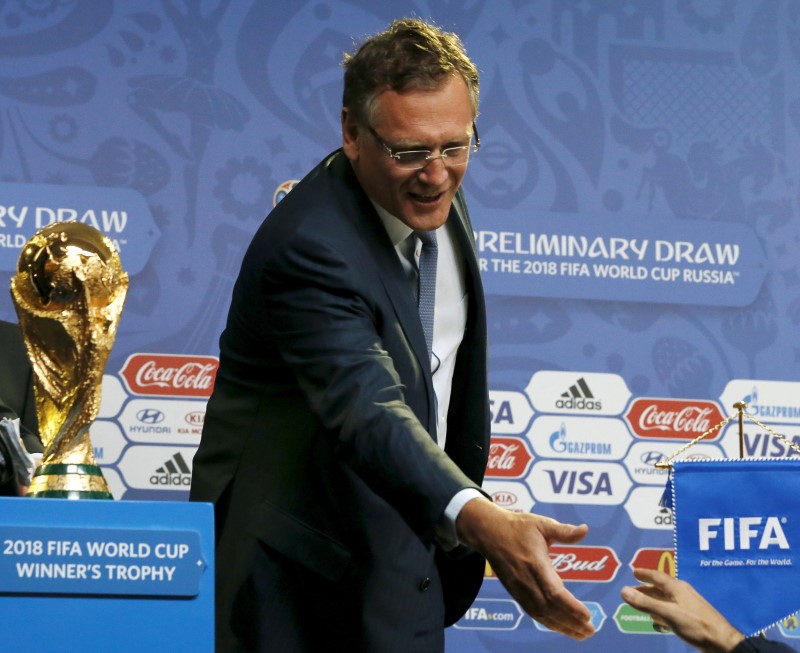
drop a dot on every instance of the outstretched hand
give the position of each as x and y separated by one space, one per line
517 547
676 605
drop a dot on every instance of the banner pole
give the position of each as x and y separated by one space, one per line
740 406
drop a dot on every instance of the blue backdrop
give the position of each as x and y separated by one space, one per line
636 212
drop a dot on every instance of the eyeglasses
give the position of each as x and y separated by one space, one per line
418 159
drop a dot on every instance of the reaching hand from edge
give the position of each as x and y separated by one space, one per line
517 547
676 605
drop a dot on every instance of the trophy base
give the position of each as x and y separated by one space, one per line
59 481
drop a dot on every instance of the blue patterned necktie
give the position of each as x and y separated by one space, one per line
426 297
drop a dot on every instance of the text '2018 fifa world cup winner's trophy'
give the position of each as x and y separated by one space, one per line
68 291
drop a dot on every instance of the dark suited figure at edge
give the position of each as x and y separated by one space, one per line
344 454
16 401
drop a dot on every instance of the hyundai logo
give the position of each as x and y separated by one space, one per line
150 416
651 457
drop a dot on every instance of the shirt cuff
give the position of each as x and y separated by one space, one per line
446 528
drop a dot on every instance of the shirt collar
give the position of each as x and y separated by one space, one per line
397 229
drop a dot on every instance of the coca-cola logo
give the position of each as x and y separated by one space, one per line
170 375
673 419
508 458
594 564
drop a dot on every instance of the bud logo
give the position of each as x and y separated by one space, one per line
170 375
594 564
739 532
508 458
675 419
491 614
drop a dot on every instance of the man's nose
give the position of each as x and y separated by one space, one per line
434 172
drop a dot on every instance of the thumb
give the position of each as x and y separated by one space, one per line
567 533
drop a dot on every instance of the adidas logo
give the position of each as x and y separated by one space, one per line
579 397
174 471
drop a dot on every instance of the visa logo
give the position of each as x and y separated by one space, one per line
573 482
739 532
502 412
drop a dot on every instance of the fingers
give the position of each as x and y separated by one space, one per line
653 592
567 618
564 613
654 599
638 598
573 533
555 607
572 616
652 576
555 531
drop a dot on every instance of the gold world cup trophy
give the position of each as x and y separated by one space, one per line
68 292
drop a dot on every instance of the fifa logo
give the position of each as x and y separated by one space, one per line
739 533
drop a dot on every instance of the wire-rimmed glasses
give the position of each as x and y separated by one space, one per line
417 159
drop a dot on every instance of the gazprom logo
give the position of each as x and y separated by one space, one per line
150 416
742 533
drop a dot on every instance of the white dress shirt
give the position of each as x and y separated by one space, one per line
450 320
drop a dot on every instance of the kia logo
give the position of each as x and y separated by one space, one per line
150 416
195 418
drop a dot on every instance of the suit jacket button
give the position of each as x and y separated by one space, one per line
425 585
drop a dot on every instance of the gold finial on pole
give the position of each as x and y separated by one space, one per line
740 406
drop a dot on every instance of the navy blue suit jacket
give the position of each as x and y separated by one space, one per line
319 447
16 385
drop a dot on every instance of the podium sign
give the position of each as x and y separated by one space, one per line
737 537
127 576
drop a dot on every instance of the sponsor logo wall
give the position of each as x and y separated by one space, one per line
635 206
150 423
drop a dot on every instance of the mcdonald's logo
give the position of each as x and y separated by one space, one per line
659 559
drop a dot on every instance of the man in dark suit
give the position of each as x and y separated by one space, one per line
16 393
343 451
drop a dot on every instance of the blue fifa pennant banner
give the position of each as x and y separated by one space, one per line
737 537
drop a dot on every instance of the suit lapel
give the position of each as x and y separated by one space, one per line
390 272
394 280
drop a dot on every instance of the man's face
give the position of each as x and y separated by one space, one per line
416 119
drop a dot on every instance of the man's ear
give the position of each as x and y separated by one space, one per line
351 133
